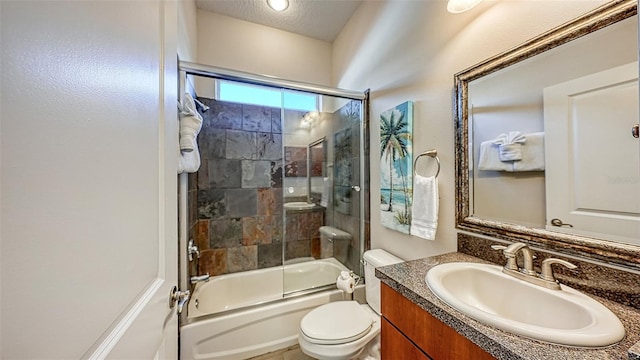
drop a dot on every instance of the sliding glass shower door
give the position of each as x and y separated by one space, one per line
276 166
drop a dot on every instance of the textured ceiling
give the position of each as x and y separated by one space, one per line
319 19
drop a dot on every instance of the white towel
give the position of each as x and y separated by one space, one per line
490 158
424 210
326 190
532 154
510 146
190 125
532 150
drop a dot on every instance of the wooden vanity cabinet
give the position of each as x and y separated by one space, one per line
408 332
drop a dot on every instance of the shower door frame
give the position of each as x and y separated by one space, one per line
186 68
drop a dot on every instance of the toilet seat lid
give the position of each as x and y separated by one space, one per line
337 322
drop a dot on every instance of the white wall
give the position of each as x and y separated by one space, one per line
410 51
239 45
187 30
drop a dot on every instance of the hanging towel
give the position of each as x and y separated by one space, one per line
532 154
490 158
326 190
424 210
190 125
510 146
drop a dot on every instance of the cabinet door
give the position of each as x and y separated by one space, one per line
435 338
396 346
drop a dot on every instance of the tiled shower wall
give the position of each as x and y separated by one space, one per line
236 195
239 222
346 172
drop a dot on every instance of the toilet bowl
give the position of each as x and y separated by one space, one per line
343 330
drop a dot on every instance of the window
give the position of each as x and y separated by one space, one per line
266 96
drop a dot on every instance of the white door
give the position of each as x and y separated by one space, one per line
88 142
592 159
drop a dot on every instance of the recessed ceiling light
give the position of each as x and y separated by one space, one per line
278 5
459 6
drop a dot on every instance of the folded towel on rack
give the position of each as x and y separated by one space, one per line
489 159
532 154
510 146
326 190
424 209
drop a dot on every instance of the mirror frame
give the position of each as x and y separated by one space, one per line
625 255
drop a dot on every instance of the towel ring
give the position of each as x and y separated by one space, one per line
430 153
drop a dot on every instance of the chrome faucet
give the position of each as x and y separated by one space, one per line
199 278
192 249
545 279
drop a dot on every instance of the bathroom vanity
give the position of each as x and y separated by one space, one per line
416 324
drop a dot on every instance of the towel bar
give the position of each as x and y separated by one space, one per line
430 153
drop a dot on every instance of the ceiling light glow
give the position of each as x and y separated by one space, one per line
278 5
459 6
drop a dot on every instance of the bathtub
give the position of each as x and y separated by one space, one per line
241 315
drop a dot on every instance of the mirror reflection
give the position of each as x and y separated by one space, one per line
550 143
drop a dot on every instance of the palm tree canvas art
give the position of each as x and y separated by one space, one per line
396 154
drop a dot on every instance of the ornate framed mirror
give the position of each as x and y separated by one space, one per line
505 109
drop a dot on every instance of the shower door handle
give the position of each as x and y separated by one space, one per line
179 297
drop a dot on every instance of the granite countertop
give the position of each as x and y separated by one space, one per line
408 279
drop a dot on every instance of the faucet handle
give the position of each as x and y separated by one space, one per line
511 258
547 271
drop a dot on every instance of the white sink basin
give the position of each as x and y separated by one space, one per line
485 293
298 205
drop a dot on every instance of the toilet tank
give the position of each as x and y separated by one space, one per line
373 259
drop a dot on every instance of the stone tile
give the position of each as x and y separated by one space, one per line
241 145
192 203
269 255
269 201
192 181
223 115
225 173
242 258
314 222
225 233
211 204
256 174
212 262
297 249
276 121
316 250
294 227
201 234
214 144
276 174
269 146
256 118
203 175
257 230
278 229
241 202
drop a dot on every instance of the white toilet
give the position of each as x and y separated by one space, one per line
343 330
